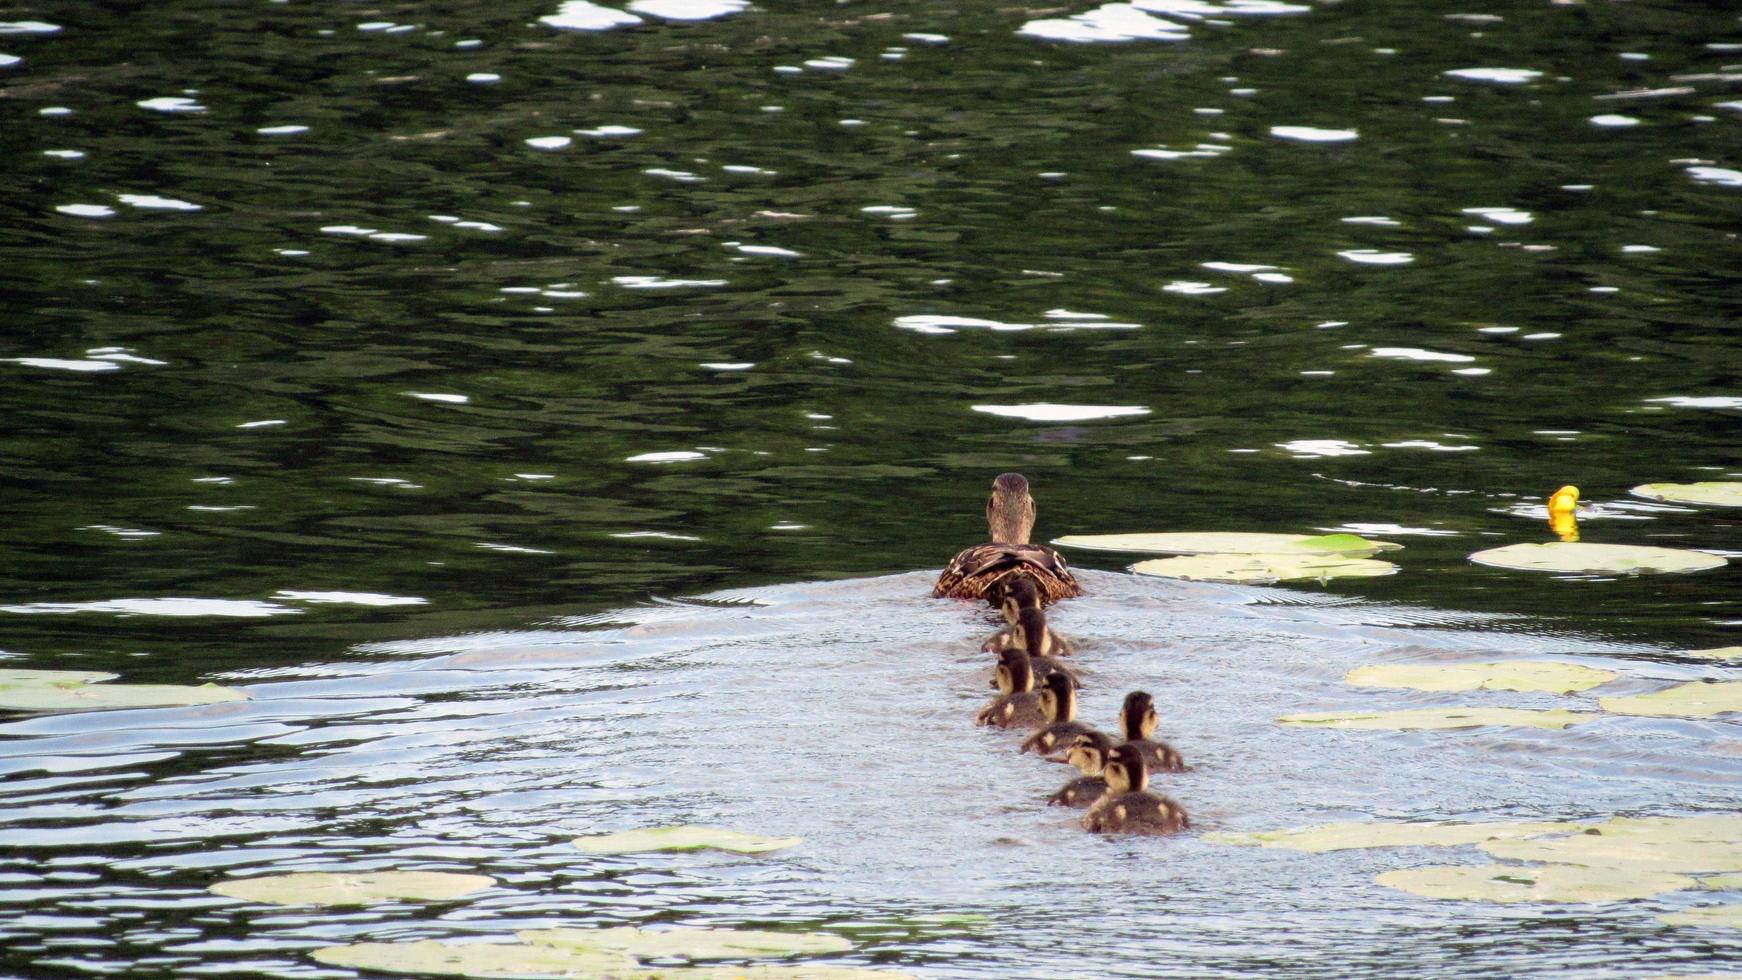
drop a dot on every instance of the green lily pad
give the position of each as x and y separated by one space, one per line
369 888
1715 653
1723 493
695 944
1722 883
1726 916
1596 850
11 677
1708 827
1695 699
1262 568
94 697
1581 557
430 956
682 838
1545 883
1228 542
1508 675
1419 718
1362 834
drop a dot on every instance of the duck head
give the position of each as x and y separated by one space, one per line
1010 510
1126 771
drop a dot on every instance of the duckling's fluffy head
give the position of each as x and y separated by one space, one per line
1137 716
1126 772
1089 753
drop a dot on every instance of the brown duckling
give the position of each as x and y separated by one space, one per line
1137 723
1017 705
1016 637
986 571
1059 700
1089 753
1128 807
1021 596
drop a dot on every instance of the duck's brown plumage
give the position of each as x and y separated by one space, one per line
1089 753
1018 705
985 571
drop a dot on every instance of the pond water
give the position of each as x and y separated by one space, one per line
435 358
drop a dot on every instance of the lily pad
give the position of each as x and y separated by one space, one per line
1261 568
1708 827
1695 699
1420 718
369 888
1598 850
1727 916
1722 883
1715 653
695 944
682 838
1723 493
1545 883
1362 834
1509 675
11 677
1228 542
1581 557
431 956
92 697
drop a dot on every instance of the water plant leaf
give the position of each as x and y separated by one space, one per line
1727 916
1715 653
1706 827
1261 568
695 944
430 956
93 697
1723 493
1228 542
1583 557
367 888
1545 883
1599 850
15 676
1507 675
1419 718
682 838
1695 699
1361 834
1722 883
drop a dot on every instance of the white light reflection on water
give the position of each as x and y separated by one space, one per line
1048 412
173 606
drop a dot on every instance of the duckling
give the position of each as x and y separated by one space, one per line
1128 807
1017 706
986 571
1021 595
1137 722
1059 701
1018 637
1089 753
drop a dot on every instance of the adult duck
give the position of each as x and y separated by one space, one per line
990 571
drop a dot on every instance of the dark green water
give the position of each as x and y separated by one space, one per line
266 428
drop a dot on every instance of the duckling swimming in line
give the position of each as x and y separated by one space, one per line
1059 701
1089 753
1137 722
986 571
1017 705
1128 807
1023 637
